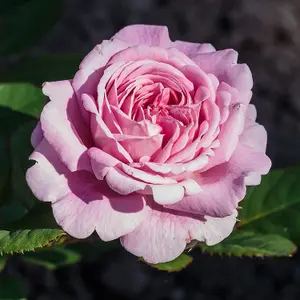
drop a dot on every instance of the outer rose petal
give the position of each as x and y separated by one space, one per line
101 54
37 135
62 126
255 137
224 186
190 49
150 35
163 235
45 178
91 205
91 69
229 136
223 64
101 162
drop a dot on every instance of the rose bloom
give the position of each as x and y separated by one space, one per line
152 142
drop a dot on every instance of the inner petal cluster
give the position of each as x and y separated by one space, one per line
158 107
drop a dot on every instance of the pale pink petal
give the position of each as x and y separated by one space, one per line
163 155
101 162
222 189
196 164
223 64
224 185
158 168
91 206
101 54
215 230
239 77
147 176
138 147
63 128
131 127
159 238
223 101
86 81
255 136
251 114
184 155
167 194
183 140
229 135
237 96
46 177
212 114
190 49
91 70
106 141
216 62
36 136
253 178
191 187
163 235
123 184
150 35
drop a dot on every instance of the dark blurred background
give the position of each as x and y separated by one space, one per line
267 35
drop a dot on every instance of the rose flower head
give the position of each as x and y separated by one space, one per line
152 142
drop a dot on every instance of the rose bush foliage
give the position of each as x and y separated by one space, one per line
152 142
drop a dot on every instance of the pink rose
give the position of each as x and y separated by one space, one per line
152 142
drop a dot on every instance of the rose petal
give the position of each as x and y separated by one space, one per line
167 194
190 49
164 234
138 147
91 70
240 77
63 128
101 162
147 177
46 177
101 54
91 205
223 64
37 135
224 185
165 153
216 62
191 187
150 35
229 135
122 183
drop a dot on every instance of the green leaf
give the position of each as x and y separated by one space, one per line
273 207
252 244
175 265
19 241
11 289
53 258
23 98
39 69
25 24
35 230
